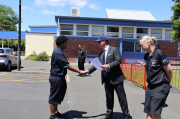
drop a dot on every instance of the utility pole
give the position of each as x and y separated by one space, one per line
19 38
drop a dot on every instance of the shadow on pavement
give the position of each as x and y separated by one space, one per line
13 68
84 76
79 114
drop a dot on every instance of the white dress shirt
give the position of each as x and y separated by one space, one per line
106 51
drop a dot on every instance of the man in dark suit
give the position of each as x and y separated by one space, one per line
81 58
112 76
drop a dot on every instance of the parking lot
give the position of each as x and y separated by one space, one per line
23 77
25 96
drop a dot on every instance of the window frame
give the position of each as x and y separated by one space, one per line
134 49
113 32
157 34
67 30
97 31
168 35
142 33
128 33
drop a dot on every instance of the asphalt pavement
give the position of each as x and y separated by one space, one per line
24 95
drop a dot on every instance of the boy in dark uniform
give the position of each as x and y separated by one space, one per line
59 66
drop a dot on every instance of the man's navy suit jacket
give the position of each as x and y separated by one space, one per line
114 73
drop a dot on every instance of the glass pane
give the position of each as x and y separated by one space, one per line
142 30
1 51
97 33
127 30
82 33
112 34
112 29
66 27
141 35
168 31
156 31
82 28
66 33
157 36
98 28
168 37
128 46
137 47
127 35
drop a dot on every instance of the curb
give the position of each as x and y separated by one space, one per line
29 72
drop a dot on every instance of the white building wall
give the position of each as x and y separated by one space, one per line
39 42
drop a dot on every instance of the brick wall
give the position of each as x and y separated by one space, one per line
88 44
170 49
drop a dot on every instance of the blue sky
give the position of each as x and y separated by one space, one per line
42 12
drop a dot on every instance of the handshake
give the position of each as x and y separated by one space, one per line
83 73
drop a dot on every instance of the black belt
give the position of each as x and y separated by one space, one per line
56 75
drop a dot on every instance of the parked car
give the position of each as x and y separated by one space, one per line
7 59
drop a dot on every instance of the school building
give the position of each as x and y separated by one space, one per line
123 27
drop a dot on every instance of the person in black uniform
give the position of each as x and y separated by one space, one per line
81 57
59 66
157 45
159 76
111 76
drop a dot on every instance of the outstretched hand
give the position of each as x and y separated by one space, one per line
83 72
106 66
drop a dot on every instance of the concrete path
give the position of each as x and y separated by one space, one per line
85 97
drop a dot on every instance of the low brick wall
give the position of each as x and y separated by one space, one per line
88 44
170 49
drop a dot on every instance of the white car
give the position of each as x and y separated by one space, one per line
7 59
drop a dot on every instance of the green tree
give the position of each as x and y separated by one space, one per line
8 18
176 20
168 20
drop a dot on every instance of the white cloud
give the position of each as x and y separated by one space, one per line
48 12
79 3
93 6
27 8
61 3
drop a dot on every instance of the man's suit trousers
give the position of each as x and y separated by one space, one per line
81 64
119 88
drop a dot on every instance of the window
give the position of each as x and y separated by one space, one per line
128 46
137 47
66 29
168 33
97 30
131 46
157 33
127 32
142 32
82 30
10 52
112 31
1 51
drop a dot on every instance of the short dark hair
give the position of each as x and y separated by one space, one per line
61 39
107 41
157 45
80 44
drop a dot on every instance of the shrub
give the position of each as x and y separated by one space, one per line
33 54
42 57
30 57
